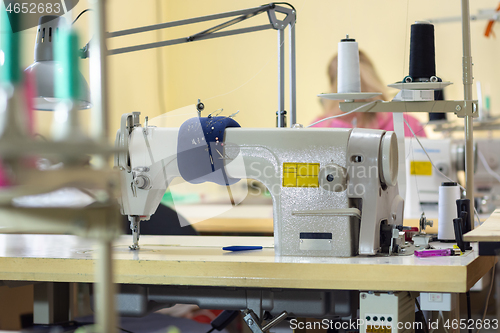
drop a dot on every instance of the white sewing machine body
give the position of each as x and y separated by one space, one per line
487 186
422 190
483 180
331 188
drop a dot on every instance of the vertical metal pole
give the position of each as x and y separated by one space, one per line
293 78
467 79
281 79
98 72
105 292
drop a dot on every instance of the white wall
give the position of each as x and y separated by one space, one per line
248 62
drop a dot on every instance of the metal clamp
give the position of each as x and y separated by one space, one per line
281 24
253 322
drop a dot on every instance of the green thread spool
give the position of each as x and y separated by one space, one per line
10 71
67 83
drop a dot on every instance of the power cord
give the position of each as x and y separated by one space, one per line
289 5
469 310
84 52
442 318
223 319
84 11
419 317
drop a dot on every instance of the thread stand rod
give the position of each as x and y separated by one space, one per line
105 289
281 79
468 125
98 76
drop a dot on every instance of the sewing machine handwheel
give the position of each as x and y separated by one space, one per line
389 159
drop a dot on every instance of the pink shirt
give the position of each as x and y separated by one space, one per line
383 121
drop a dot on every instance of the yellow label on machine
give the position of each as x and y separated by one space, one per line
300 174
378 329
421 168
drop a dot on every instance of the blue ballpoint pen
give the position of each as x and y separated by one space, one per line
241 248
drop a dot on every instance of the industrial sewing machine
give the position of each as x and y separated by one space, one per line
334 190
422 191
448 156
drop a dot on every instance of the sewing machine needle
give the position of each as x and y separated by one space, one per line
230 195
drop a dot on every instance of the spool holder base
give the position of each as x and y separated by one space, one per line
419 85
349 96
460 108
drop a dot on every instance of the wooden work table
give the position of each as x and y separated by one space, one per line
200 261
489 231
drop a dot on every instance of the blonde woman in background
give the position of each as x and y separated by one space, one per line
370 82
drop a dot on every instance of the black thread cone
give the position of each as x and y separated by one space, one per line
422 53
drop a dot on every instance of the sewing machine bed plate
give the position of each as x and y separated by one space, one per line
200 260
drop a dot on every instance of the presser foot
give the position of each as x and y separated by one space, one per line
135 226
135 236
